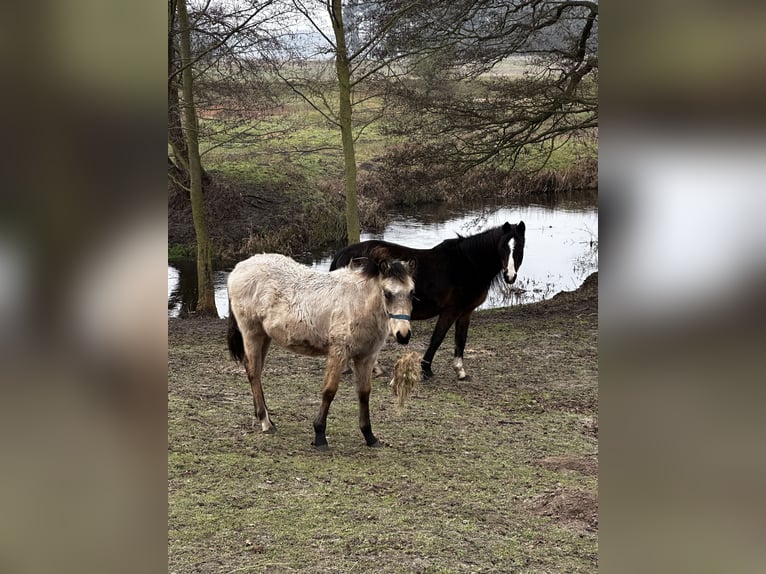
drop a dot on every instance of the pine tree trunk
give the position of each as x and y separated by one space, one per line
206 294
343 70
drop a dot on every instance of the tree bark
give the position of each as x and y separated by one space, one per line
206 294
343 70
175 130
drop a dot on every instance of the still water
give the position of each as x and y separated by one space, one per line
561 248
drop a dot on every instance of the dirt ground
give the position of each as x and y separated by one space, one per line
494 474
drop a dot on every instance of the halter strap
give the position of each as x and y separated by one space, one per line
402 317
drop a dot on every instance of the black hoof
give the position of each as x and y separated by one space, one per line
466 378
376 444
427 374
321 447
271 430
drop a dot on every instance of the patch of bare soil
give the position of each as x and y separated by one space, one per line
584 465
184 331
580 302
576 509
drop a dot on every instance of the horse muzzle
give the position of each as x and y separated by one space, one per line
400 327
508 277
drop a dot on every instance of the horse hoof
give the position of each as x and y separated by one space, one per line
376 444
466 378
321 447
271 430
428 375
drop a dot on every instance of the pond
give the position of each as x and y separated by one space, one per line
561 247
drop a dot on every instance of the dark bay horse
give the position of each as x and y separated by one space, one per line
452 279
344 315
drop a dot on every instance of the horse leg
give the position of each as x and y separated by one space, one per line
256 348
335 364
363 374
461 336
377 370
443 324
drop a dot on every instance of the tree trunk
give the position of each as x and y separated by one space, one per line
175 130
206 297
343 70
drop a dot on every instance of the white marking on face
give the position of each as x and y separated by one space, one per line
509 269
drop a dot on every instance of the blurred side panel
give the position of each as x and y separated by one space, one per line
82 254
683 288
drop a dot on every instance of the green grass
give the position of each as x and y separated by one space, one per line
182 252
451 492
297 146
294 144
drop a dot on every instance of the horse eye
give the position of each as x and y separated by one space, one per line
412 294
387 294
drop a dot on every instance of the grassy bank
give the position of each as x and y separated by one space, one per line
496 474
276 181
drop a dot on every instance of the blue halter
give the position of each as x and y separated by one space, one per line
402 317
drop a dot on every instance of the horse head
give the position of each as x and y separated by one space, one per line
398 291
512 263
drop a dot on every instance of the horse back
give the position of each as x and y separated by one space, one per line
443 277
435 277
302 310
365 248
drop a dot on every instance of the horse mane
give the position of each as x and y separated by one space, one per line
482 240
476 248
481 243
369 267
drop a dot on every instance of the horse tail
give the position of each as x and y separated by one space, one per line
234 339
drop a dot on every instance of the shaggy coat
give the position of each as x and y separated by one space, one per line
344 315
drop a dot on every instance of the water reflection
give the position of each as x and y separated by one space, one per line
561 248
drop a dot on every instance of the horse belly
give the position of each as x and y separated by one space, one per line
306 348
297 337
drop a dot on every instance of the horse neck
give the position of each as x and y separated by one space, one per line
372 298
481 248
375 301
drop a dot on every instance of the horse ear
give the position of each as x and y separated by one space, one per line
520 227
383 265
506 227
411 266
